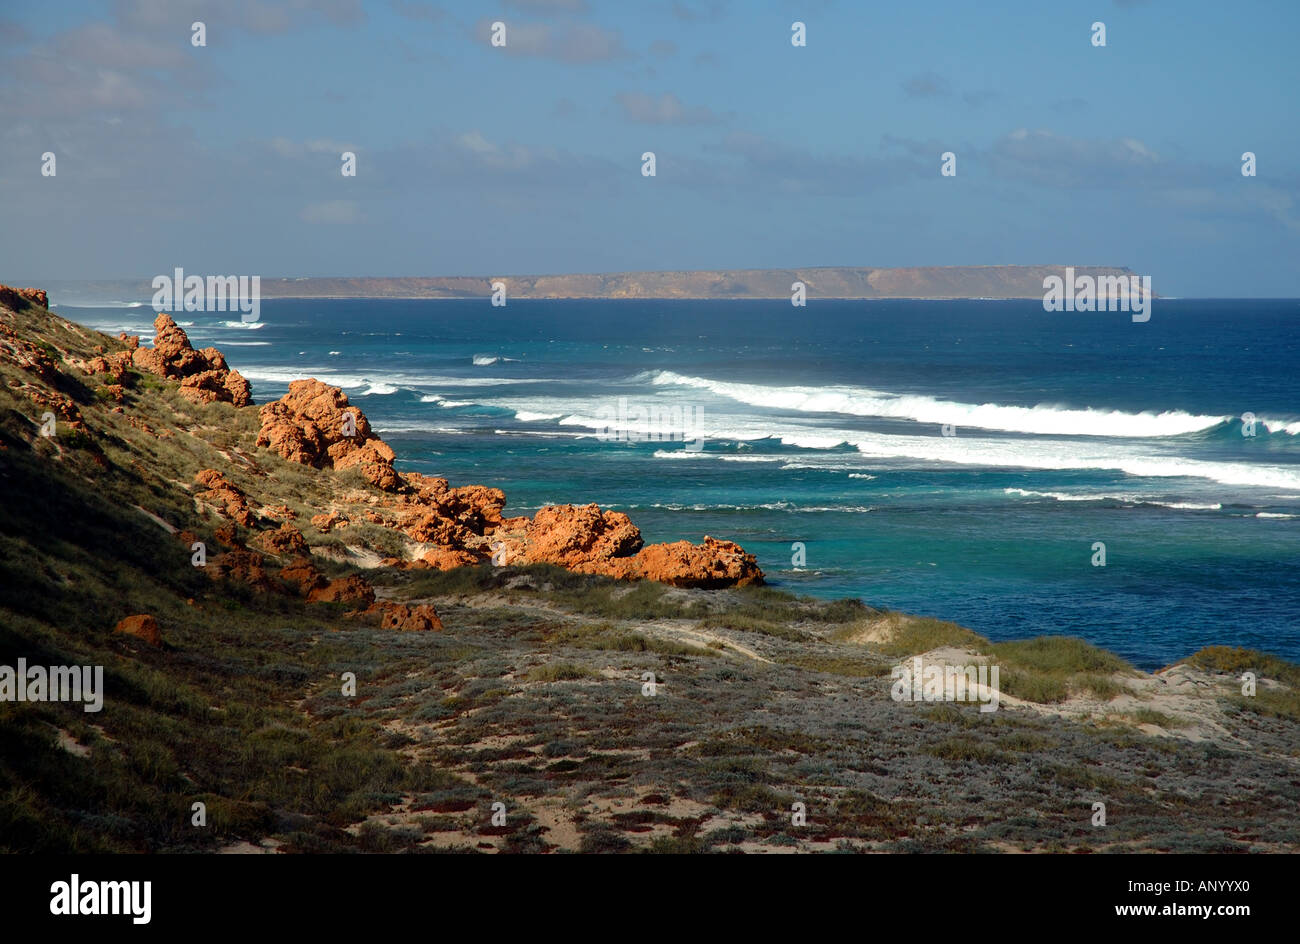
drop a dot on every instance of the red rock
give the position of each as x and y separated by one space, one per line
285 541
17 298
328 522
242 567
227 496
204 375
350 589
710 565
115 365
228 535
580 538
307 426
33 358
445 558
62 407
303 575
142 626
421 618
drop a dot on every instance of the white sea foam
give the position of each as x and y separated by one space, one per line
1055 454
282 374
444 402
1126 498
246 325
861 401
765 506
399 426
1290 427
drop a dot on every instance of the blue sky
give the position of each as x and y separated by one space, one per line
525 159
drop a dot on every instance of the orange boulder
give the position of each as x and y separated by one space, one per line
141 626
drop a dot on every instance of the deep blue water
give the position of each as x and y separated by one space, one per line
824 425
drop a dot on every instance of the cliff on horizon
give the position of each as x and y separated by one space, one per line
843 282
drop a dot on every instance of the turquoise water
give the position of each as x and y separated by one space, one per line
825 426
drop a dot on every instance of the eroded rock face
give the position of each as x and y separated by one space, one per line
204 375
445 558
311 424
326 523
227 496
32 358
115 365
351 589
710 565
286 541
590 541
315 425
16 298
421 618
303 575
242 567
141 626
582 538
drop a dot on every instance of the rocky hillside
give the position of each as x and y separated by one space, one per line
412 521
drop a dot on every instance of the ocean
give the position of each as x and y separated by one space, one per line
965 460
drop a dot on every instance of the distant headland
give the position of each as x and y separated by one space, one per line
834 282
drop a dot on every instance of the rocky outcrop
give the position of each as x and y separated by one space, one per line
351 589
142 626
710 565
303 576
325 523
226 496
36 359
583 538
588 540
204 375
315 425
446 558
17 298
115 365
421 618
285 541
242 566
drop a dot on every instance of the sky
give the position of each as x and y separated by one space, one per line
474 159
